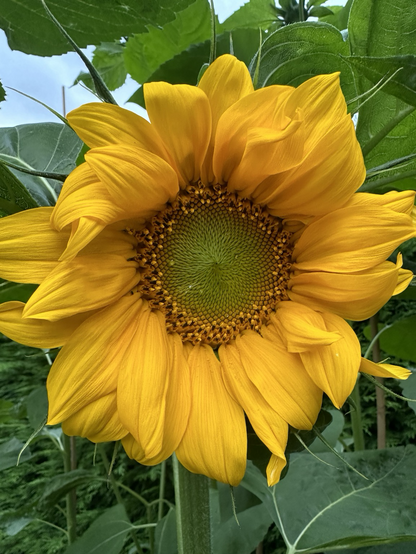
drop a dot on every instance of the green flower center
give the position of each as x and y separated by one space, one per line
214 264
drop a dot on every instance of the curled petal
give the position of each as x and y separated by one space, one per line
384 370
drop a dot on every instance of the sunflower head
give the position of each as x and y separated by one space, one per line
198 269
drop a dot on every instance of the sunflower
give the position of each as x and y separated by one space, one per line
197 270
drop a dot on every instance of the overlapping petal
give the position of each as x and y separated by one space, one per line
38 333
87 368
29 247
143 382
384 370
351 239
181 115
269 426
280 378
215 440
354 296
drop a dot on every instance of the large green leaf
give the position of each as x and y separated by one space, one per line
9 453
257 14
145 52
399 339
105 535
409 390
30 30
108 59
297 52
49 147
14 197
165 534
185 67
319 507
37 407
380 28
400 548
61 484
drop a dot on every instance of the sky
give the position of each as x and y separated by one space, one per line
44 77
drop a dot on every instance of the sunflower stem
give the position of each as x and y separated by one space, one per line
380 395
356 421
193 520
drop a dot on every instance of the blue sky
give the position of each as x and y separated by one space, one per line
43 78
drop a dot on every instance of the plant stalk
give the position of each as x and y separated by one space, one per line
380 394
193 519
356 421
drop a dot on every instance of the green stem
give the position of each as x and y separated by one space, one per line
161 490
117 493
372 143
193 520
377 183
301 10
356 421
380 396
71 499
213 46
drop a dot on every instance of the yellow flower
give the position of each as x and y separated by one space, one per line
197 269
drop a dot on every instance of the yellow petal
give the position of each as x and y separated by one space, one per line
301 327
38 333
84 196
354 296
384 370
401 202
84 230
100 124
182 117
83 284
323 181
214 442
403 281
137 180
263 108
87 367
267 151
98 421
143 383
351 239
224 82
269 426
29 247
274 469
334 368
178 405
280 378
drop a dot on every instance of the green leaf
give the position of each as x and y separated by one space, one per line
2 93
106 534
402 69
14 197
185 67
37 407
29 29
253 522
399 339
165 534
339 19
15 291
409 390
400 548
51 147
61 484
294 53
330 433
108 59
317 507
257 14
14 526
379 28
145 52
9 452
5 410
320 11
